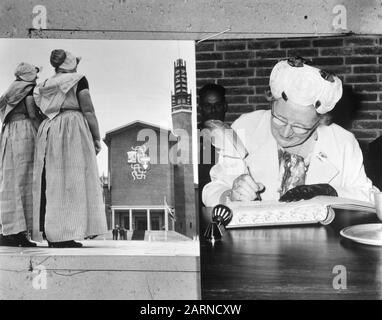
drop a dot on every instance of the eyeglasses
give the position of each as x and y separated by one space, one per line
296 129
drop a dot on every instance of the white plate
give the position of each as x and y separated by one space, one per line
364 233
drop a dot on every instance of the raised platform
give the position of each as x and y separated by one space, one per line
164 268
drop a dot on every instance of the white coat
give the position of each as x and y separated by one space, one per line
336 159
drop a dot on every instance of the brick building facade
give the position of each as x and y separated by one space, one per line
137 197
243 68
160 196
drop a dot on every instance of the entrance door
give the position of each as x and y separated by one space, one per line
155 223
139 219
122 219
157 220
140 223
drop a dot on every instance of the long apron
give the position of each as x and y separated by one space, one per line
17 143
74 207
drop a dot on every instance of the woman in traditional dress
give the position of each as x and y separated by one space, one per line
20 122
67 196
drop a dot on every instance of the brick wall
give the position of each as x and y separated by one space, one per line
159 182
243 68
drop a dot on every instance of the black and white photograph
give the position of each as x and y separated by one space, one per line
87 169
208 151
289 201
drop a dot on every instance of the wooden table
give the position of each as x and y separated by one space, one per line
291 262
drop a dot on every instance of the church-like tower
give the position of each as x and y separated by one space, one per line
181 104
184 190
181 99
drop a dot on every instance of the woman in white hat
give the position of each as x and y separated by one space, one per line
19 117
68 201
294 153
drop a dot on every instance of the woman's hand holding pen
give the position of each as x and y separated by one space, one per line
244 188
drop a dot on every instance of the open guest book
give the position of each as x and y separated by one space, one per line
274 213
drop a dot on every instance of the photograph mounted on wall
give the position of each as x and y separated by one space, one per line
97 172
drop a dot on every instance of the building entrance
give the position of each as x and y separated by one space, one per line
143 219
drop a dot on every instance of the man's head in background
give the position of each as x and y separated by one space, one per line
212 104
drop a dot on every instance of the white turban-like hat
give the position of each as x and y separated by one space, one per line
305 85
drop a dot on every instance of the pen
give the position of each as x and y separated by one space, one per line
250 174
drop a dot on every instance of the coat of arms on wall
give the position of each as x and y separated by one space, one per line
139 162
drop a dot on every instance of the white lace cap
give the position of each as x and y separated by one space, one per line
26 71
71 62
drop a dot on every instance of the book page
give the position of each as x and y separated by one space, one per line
273 212
334 202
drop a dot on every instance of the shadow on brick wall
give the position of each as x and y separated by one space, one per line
347 109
